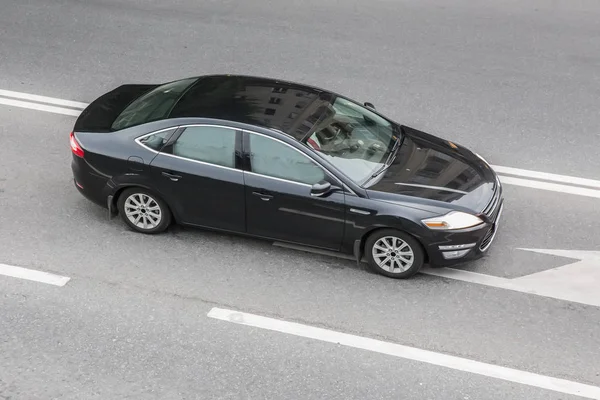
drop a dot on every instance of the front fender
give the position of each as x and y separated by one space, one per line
367 215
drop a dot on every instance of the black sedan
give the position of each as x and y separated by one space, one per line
286 162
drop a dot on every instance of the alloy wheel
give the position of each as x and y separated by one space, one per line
393 254
142 211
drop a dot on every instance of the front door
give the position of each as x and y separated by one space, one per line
279 204
197 176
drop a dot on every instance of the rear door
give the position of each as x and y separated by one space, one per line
279 204
200 176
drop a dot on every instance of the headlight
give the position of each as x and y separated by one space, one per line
453 220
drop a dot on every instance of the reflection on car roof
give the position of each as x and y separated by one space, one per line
284 106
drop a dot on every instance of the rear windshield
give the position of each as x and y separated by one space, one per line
153 106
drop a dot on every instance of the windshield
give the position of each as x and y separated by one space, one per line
353 138
154 105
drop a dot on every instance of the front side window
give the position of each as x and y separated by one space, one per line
353 138
152 106
210 144
272 158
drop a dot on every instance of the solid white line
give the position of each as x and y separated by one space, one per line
33 275
410 353
39 107
42 99
554 187
547 176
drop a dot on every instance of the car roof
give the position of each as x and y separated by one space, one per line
280 105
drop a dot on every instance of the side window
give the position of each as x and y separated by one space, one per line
211 144
272 158
156 141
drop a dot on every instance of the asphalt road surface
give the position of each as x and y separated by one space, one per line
518 83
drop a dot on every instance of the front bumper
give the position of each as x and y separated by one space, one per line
452 248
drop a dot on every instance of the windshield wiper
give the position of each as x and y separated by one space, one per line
390 159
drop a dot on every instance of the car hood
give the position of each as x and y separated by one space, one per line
435 169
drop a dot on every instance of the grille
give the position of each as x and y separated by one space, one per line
494 213
491 233
487 239
491 209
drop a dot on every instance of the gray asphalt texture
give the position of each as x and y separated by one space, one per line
516 82
98 341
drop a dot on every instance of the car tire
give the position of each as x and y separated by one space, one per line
149 210
394 253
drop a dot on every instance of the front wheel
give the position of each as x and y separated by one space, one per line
394 254
143 211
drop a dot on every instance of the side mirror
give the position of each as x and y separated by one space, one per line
370 105
320 189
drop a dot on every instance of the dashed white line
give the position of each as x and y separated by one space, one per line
42 99
410 353
33 275
39 107
571 180
553 187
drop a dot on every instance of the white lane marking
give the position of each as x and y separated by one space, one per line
33 275
42 99
572 180
554 187
410 353
39 107
575 282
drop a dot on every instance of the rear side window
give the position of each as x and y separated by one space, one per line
157 140
210 144
152 106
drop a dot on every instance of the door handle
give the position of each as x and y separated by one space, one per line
172 177
263 196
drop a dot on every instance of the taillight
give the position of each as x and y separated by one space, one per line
75 147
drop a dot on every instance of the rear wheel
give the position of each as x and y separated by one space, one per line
143 211
394 253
